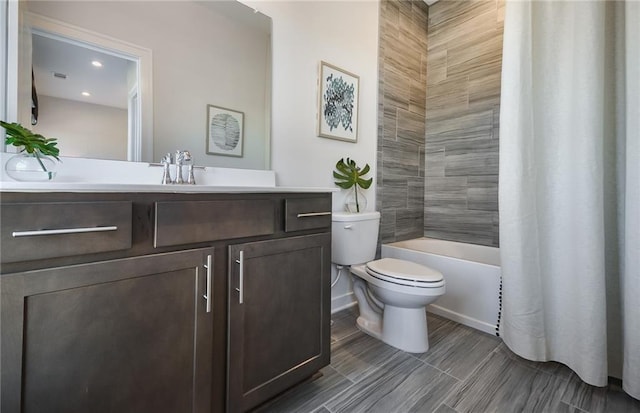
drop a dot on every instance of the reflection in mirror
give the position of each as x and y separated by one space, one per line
85 95
204 53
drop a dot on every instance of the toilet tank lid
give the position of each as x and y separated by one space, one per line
354 216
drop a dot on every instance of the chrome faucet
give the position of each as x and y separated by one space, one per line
166 172
179 161
188 160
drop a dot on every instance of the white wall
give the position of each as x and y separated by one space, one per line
304 33
107 126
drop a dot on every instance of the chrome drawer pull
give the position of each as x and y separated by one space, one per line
240 290
207 296
313 214
36 232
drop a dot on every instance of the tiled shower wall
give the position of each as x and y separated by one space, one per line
464 58
401 119
439 93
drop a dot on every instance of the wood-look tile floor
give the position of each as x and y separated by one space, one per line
465 370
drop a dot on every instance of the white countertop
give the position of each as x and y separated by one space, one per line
96 175
12 186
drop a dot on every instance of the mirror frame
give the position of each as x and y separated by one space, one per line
139 151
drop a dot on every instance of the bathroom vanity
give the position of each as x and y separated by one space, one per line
162 301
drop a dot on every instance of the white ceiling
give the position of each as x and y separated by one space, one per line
107 84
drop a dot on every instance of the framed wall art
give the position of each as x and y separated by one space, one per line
338 103
225 131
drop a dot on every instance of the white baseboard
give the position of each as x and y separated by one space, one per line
463 319
343 302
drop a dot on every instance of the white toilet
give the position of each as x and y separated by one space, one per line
392 294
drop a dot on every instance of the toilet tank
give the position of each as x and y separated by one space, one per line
354 237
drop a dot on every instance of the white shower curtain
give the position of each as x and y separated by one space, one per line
570 186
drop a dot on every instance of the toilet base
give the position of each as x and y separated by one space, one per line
402 328
368 327
405 328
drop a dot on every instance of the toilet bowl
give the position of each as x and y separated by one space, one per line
392 294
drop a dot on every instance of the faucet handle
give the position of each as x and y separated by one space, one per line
166 172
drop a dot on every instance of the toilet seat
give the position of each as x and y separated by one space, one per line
405 273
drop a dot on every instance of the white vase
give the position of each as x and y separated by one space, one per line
31 167
355 200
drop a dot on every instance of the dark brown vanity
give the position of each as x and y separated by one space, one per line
161 302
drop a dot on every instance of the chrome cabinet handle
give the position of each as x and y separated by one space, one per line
241 280
313 214
207 296
37 232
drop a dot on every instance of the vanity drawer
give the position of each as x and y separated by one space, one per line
187 222
307 213
48 230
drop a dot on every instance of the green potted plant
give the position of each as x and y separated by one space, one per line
349 175
33 162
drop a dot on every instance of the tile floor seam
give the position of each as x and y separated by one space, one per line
472 372
435 367
455 410
575 407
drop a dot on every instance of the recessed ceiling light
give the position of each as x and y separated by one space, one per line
96 63
86 94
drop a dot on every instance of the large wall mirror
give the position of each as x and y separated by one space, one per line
131 80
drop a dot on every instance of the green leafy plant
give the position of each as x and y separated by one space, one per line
348 174
32 143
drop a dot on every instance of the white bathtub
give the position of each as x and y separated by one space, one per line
471 273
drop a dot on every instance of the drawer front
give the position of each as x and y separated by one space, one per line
307 213
49 230
186 222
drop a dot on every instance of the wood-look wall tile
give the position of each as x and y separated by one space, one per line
446 192
400 158
387 225
396 90
418 97
396 56
415 193
485 91
409 224
446 34
463 96
411 128
459 124
475 227
482 192
401 148
455 12
396 192
471 157
447 98
436 66
390 125
434 166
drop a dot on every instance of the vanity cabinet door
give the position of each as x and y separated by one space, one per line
128 335
279 316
